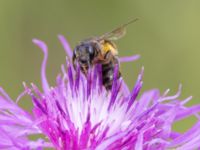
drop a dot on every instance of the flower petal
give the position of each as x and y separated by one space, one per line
43 47
129 58
65 45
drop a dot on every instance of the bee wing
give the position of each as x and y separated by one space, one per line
117 33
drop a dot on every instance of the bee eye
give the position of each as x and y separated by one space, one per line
91 53
75 51
90 49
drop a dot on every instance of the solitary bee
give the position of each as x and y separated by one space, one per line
100 50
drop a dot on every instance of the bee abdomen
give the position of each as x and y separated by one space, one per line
108 74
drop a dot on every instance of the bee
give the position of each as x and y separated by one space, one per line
100 50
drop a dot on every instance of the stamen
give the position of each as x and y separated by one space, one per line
136 89
186 100
171 97
70 77
139 142
77 80
22 95
100 80
39 105
115 87
89 83
3 93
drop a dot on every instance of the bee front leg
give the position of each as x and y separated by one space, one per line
74 62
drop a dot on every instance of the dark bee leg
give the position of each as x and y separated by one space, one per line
107 58
84 69
73 61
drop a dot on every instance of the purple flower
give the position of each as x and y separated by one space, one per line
78 113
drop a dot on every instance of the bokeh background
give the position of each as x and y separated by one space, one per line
167 36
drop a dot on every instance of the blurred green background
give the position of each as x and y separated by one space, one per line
167 37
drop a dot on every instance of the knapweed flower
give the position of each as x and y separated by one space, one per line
79 113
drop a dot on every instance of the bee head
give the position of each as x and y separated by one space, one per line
84 54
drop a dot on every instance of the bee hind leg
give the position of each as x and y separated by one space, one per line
107 57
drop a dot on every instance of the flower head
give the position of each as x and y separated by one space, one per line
79 113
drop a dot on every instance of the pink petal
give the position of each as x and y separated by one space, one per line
66 46
43 47
129 58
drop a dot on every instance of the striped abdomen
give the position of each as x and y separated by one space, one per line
108 72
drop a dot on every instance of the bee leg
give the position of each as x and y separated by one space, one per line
108 57
73 62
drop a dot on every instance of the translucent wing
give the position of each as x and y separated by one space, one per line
117 33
